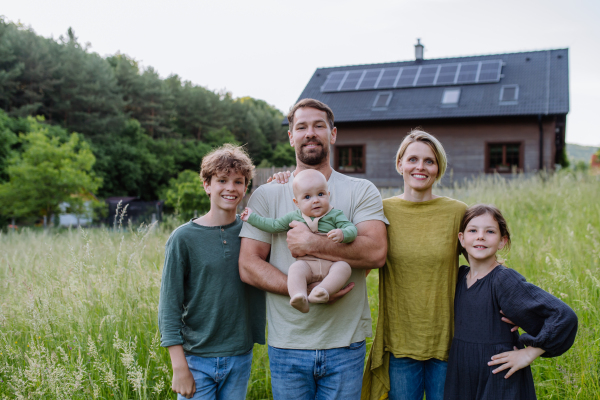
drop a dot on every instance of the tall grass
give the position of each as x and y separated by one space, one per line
78 308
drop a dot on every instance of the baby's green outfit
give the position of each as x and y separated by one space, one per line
334 219
309 269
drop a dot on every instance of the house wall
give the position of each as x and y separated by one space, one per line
464 142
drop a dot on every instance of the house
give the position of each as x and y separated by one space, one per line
501 113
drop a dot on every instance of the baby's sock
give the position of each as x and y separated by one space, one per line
300 302
318 295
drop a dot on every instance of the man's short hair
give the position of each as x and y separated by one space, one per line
310 103
226 159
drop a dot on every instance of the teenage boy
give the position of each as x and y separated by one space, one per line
319 354
208 318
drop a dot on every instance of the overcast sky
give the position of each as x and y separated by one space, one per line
269 49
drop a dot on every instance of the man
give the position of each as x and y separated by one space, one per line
321 353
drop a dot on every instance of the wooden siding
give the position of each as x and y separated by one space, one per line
464 142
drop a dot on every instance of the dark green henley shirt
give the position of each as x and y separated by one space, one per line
204 305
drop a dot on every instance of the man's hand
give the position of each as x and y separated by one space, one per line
299 238
515 360
336 296
508 321
280 177
246 214
183 382
336 235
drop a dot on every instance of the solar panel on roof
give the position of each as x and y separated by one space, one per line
427 75
370 79
467 73
351 81
333 81
388 78
490 71
414 76
447 74
407 78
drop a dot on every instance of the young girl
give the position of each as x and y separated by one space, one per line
487 359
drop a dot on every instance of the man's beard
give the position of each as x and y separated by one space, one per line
314 156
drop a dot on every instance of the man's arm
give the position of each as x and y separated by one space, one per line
256 271
367 251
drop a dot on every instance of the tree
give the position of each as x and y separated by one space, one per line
186 195
48 172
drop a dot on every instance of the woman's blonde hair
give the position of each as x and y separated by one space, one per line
417 135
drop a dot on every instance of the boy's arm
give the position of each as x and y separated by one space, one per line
183 380
271 225
170 309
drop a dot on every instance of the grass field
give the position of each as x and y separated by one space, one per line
78 308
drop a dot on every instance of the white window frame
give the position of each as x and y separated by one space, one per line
509 102
451 104
387 103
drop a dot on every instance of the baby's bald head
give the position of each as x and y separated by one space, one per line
309 178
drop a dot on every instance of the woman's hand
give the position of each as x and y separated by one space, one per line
280 177
515 360
336 235
246 214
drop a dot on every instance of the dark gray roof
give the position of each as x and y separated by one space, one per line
542 78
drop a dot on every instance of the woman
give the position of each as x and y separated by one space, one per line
416 285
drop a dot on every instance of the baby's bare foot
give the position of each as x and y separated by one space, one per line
318 295
300 302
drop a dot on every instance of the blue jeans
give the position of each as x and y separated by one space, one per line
410 378
317 374
220 377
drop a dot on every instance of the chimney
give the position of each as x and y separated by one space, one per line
419 50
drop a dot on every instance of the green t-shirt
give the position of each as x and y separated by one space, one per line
334 219
204 305
416 286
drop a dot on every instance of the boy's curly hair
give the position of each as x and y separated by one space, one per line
226 159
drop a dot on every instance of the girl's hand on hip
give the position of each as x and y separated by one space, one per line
515 360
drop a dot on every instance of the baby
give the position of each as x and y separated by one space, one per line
312 199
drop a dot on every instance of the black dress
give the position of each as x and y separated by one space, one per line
479 333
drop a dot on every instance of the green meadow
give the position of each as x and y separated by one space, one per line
78 308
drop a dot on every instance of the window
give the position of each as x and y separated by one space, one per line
382 100
509 94
504 157
350 159
450 97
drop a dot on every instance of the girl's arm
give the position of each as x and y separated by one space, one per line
550 324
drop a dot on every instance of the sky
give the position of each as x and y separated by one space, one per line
269 49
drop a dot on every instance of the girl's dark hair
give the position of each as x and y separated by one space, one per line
481 209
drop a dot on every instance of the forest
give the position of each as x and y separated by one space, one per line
131 131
